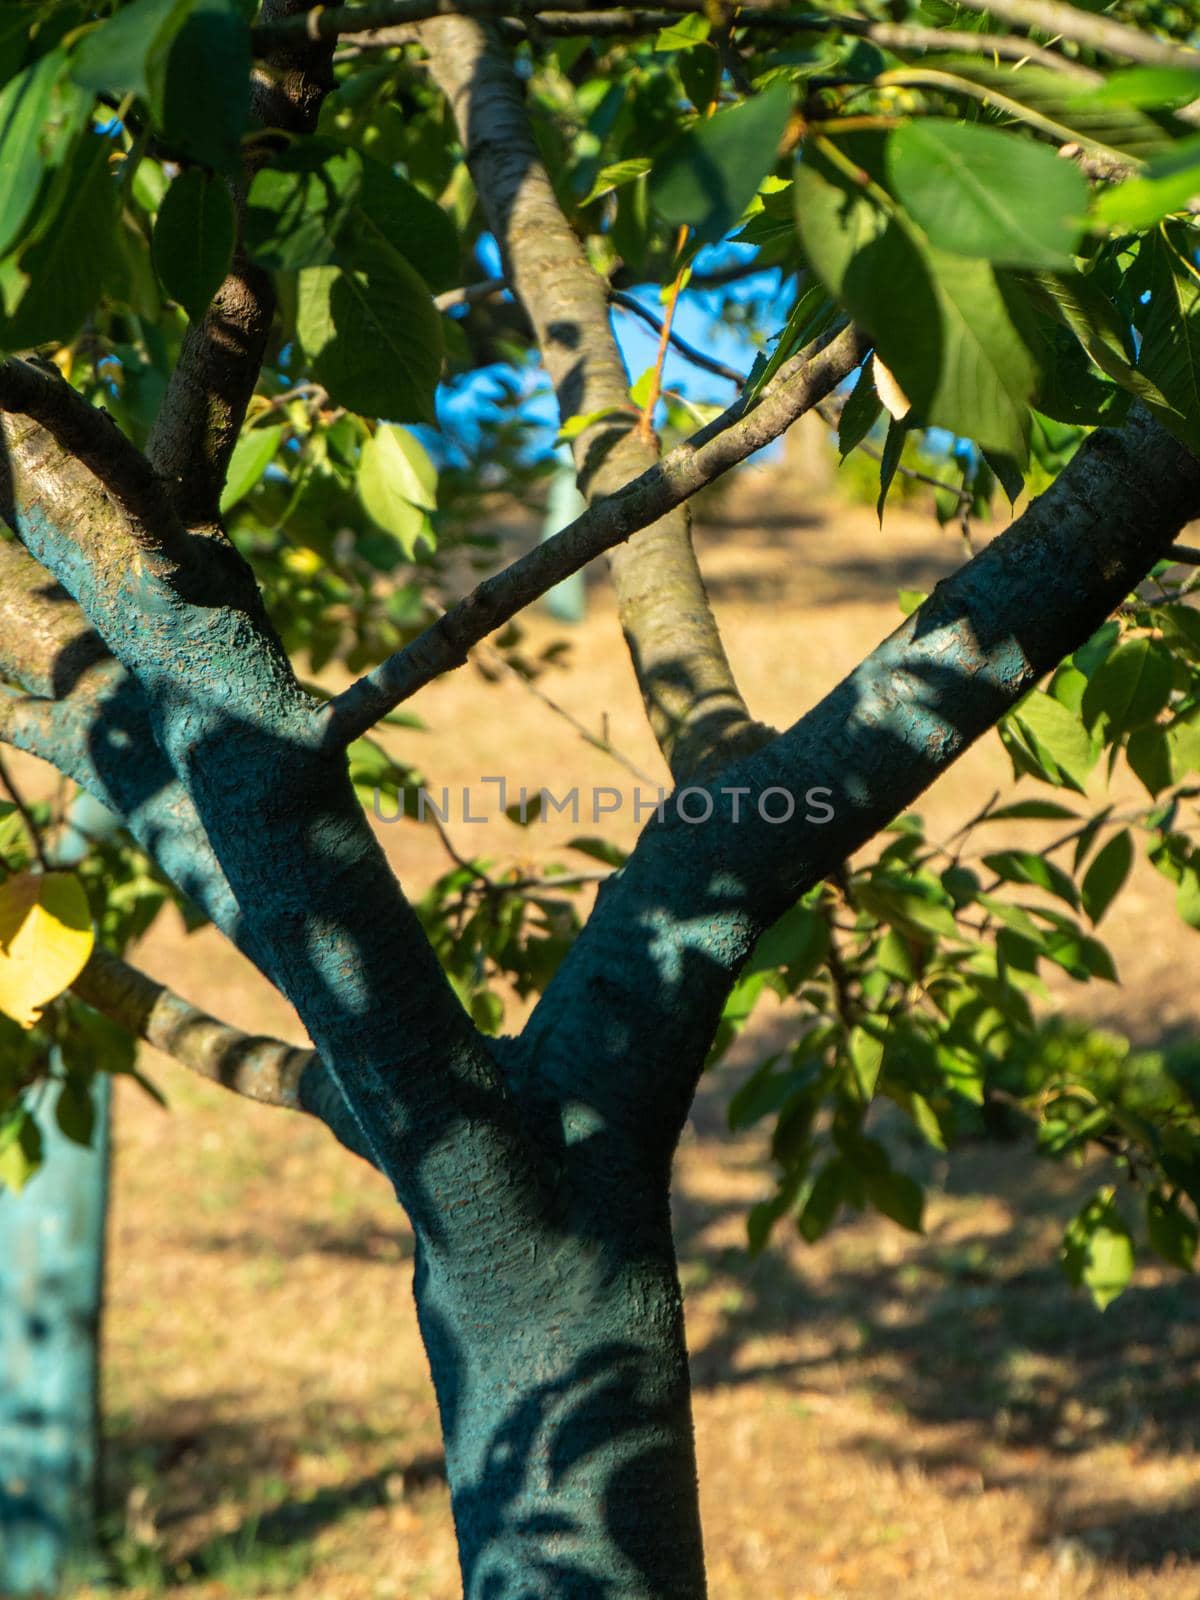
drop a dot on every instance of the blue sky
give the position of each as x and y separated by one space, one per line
696 321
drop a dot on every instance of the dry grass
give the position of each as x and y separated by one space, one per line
880 1416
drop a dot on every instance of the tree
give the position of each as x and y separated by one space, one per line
224 235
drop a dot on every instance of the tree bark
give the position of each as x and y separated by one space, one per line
51 1287
565 1401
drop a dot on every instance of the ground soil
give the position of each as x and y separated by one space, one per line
881 1416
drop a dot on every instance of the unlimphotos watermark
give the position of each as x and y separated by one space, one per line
696 803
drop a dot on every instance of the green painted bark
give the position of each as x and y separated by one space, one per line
535 1171
51 1284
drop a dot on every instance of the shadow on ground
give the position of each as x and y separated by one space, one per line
1003 1373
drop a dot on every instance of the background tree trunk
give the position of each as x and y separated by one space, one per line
51 1286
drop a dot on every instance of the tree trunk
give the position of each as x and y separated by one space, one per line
566 1406
51 1278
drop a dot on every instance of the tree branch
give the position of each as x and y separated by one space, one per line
311 896
262 1069
672 929
573 18
85 714
46 645
332 22
688 688
738 432
1058 19
93 439
218 367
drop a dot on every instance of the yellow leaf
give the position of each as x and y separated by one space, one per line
45 941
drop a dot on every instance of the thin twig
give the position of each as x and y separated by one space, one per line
602 744
1111 38
833 418
707 363
645 423
740 430
455 854
379 24
470 294
26 816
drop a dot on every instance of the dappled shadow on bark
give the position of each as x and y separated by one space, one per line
568 1440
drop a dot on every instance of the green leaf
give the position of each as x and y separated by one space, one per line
1145 86
865 1051
1071 391
1183 744
115 58
859 414
583 420
823 1201
1086 311
601 850
487 1011
763 1216
20 1151
1051 102
397 484
1071 949
75 1111
26 103
764 1091
915 905
190 59
798 942
319 203
1170 354
1023 866
193 239
1149 754
615 176
252 455
1032 810
1129 688
926 1120
1058 739
1166 184
1187 897
889 461
1108 871
1098 1249
899 1197
939 321
1172 1233
683 33
392 214
297 207
700 71
375 339
983 192
811 315
707 176
200 87
70 262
